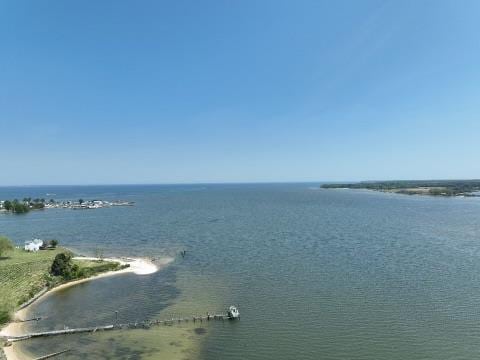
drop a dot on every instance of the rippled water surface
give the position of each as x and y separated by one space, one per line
318 274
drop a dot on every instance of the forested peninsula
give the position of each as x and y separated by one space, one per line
416 187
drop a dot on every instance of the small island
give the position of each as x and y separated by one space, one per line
16 206
416 187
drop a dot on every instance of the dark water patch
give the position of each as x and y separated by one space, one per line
214 220
200 331
94 303
89 347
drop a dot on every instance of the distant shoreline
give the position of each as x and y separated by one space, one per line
27 204
444 188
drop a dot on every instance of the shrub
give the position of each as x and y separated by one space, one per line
5 245
4 315
62 266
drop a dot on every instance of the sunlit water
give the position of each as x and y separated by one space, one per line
317 274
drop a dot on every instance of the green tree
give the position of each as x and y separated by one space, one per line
53 243
15 206
62 266
5 245
7 205
18 207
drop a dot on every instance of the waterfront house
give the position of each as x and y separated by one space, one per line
33 245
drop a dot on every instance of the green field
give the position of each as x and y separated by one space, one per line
23 274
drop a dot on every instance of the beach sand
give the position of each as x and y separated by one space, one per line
138 266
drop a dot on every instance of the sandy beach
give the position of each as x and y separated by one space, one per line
138 266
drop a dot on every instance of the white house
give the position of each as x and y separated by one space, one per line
33 245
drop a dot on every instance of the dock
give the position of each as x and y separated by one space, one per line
125 326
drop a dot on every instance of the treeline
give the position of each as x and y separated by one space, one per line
23 206
436 187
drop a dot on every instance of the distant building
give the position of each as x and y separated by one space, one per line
33 245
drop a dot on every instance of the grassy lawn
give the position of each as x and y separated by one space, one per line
23 274
90 268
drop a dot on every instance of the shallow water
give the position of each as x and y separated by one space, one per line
330 274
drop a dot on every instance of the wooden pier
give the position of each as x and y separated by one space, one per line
135 325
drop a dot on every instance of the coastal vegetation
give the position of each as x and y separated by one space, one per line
49 244
24 274
66 268
15 206
62 266
5 245
20 207
416 187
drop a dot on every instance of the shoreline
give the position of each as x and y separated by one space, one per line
137 266
416 194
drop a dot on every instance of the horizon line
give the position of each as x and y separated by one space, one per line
239 182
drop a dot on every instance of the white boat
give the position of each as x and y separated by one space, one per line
233 312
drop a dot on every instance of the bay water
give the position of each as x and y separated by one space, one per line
316 274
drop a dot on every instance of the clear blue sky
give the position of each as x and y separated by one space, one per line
238 91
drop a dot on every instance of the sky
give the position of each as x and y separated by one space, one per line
117 92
